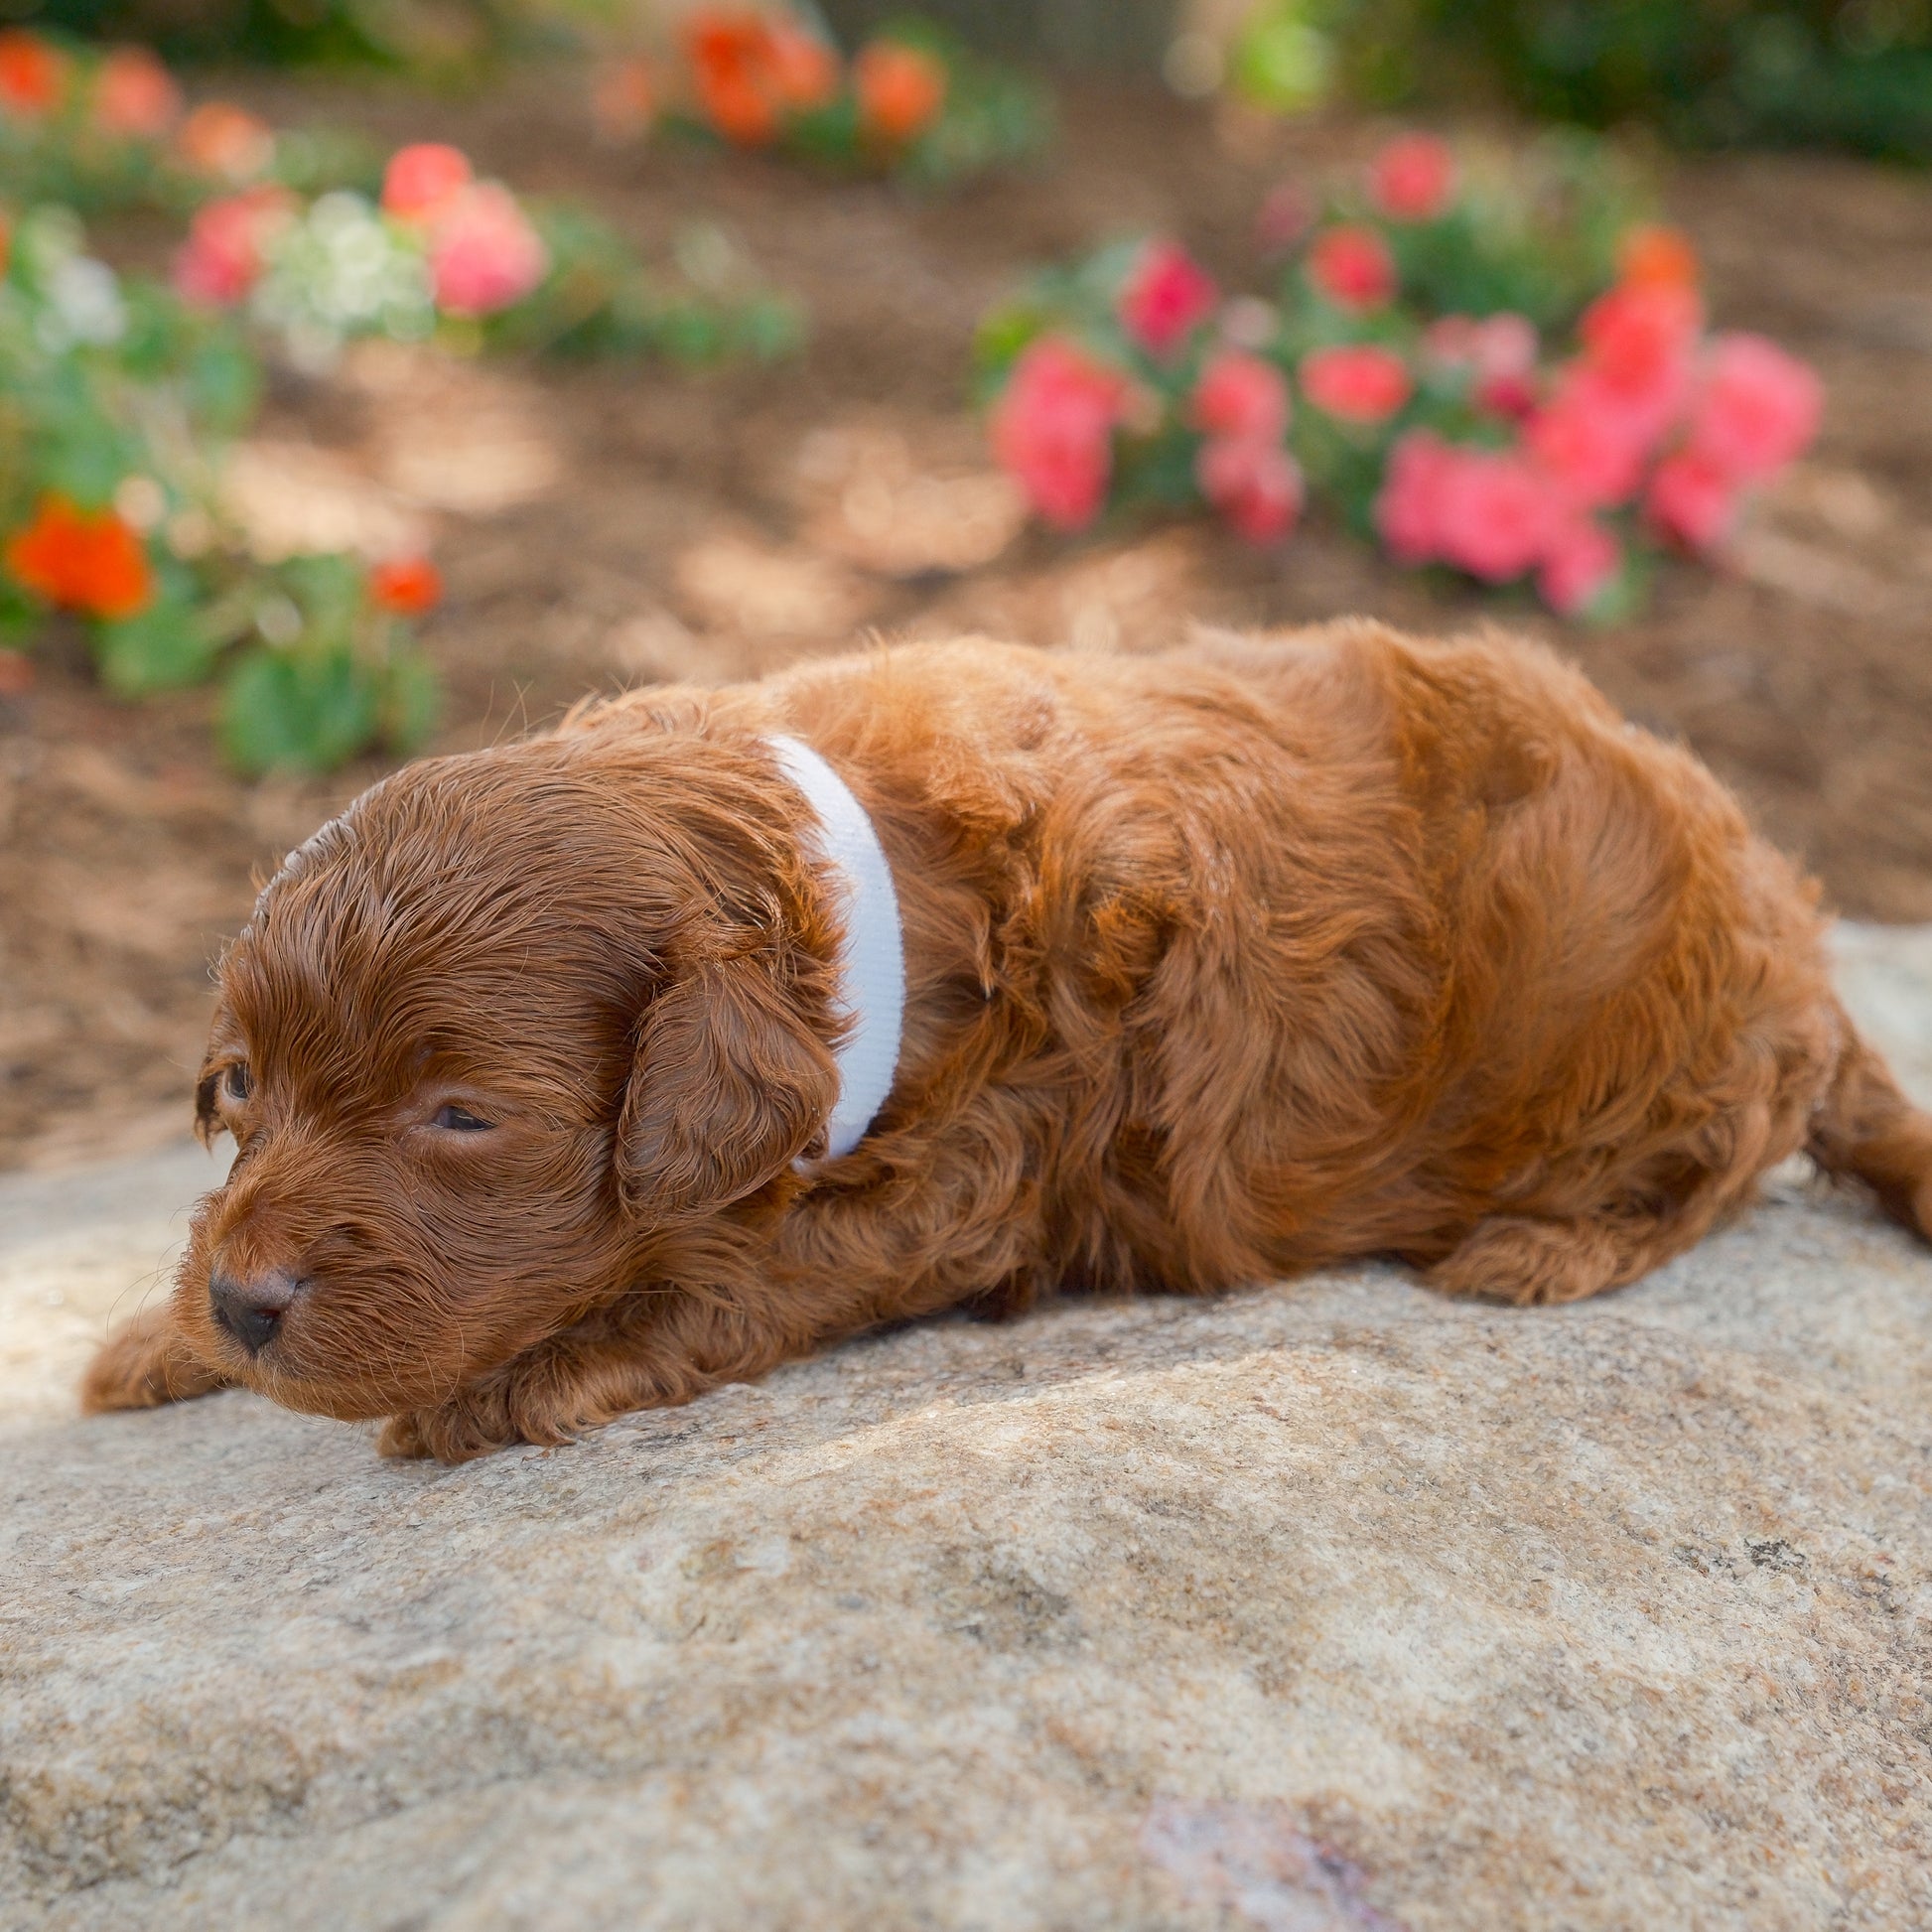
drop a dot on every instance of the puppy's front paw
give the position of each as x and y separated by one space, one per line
539 1398
142 1364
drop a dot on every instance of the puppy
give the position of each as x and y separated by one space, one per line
588 1072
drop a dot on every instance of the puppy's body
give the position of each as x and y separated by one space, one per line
1220 965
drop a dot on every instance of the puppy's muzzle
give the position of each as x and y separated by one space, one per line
251 1310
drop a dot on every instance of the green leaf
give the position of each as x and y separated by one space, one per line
298 711
161 650
411 702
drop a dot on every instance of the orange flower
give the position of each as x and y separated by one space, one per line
804 71
87 560
135 97
219 138
33 75
900 90
421 182
624 100
730 55
408 586
1655 256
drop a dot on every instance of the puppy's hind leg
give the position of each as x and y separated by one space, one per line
1526 1260
143 1364
1864 1129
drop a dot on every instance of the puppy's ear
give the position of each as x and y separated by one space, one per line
729 1084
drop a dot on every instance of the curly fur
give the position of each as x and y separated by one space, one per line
1221 964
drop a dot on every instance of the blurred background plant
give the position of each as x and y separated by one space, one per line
1848 74
1496 370
914 101
117 401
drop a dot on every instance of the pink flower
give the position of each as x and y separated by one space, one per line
1256 486
135 97
1692 501
1641 337
1351 266
1499 354
1413 178
422 181
1755 409
1590 439
484 255
221 259
1580 562
1360 382
1167 295
1409 510
1240 395
1053 429
1286 215
1495 515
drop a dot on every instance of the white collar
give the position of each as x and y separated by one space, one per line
872 955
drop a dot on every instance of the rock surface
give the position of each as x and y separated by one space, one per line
1318 1608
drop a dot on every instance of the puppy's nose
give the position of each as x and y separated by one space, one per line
251 1311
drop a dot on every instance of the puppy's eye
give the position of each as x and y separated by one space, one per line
235 1082
459 1120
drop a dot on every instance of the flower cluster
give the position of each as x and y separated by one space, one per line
116 401
1459 436
109 129
910 101
444 250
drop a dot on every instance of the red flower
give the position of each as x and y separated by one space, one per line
134 95
33 75
84 560
1650 255
1409 510
407 585
221 259
221 139
484 255
1053 427
1580 563
1351 266
421 182
1165 297
1413 178
1242 396
1360 382
731 66
1256 486
1495 515
1692 501
1640 338
900 90
1590 439
1756 407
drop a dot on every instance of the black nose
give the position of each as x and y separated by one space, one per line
252 1310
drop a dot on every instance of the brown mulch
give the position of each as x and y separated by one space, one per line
600 524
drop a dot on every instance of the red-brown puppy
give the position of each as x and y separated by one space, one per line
556 1070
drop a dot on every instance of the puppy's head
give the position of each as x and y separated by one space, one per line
490 1042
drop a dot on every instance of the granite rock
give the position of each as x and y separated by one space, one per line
1323 1607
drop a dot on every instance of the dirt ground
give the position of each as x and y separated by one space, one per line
606 524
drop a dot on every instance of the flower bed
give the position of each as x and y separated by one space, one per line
115 401
444 253
1507 377
912 101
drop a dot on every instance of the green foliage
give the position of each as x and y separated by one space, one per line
116 401
702 307
1846 74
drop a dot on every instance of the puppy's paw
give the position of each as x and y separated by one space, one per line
143 1364
521 1403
